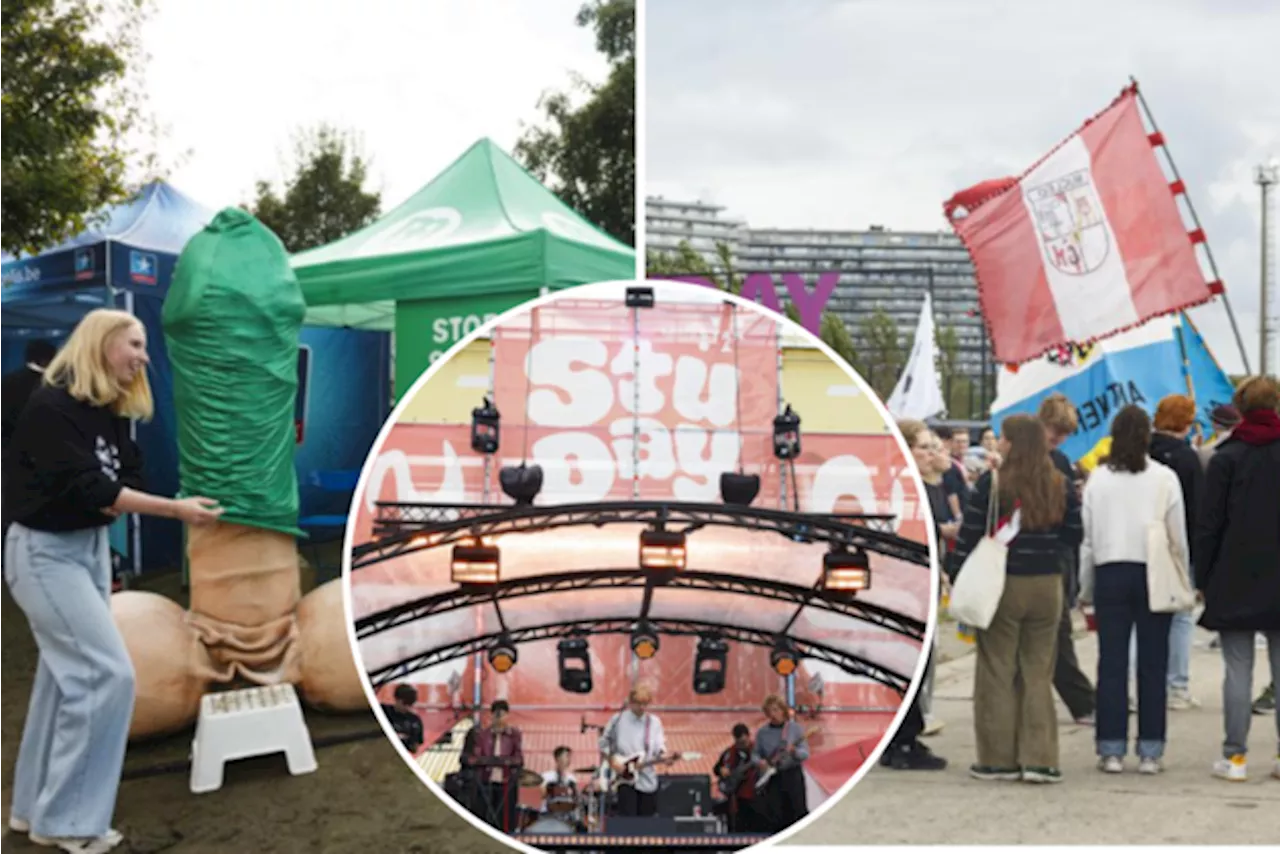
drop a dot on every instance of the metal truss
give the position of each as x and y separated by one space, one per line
567 582
411 527
848 662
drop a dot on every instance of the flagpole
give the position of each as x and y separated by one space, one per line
1186 367
1231 315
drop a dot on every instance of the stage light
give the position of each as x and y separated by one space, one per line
710 665
740 489
476 562
644 641
786 435
640 297
521 483
846 572
575 665
662 550
484 428
784 658
503 655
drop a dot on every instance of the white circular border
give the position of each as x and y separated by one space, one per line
699 294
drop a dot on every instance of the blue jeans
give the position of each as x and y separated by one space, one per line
1181 634
1120 604
73 743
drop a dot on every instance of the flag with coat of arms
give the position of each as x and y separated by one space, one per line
1087 243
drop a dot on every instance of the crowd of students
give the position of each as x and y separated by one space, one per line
1082 540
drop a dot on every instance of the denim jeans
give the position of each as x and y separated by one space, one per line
73 742
1237 688
1121 606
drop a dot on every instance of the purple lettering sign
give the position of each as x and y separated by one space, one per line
760 288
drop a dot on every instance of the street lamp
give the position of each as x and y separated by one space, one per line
1265 177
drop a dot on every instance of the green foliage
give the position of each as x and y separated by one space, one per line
883 352
72 109
325 198
686 262
586 154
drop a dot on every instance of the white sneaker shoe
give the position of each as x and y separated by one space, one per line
19 825
1233 770
1111 765
1150 766
1180 700
81 845
932 726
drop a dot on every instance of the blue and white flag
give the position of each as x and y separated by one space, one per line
1212 385
1139 366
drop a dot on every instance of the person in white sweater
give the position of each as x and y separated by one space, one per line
1123 496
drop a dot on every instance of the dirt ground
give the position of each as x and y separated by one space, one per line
362 798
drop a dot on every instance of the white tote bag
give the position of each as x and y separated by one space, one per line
976 594
1168 580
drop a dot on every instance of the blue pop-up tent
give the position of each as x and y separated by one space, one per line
125 260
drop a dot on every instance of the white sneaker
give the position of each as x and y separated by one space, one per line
1180 700
19 825
1150 766
932 726
81 845
1111 765
1233 769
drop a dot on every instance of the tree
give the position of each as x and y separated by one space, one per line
957 389
325 198
72 109
686 262
587 154
884 354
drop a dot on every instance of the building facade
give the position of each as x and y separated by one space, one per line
701 225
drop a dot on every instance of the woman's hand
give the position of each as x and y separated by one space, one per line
197 511
949 530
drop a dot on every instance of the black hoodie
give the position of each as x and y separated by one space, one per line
1185 462
69 461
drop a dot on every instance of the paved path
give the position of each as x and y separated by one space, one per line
1184 805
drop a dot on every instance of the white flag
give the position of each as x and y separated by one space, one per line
919 390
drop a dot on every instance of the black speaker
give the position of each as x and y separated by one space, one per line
656 825
684 795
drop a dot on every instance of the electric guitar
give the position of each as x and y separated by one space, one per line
767 774
729 785
619 770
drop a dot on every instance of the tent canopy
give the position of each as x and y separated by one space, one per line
483 226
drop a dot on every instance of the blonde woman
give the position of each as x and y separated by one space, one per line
72 470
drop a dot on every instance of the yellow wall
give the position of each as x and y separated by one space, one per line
827 400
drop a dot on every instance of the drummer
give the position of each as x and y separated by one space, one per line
560 789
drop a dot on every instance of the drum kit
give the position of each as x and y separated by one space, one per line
568 809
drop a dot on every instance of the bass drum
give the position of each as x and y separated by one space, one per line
549 825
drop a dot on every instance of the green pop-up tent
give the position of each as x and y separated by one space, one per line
482 237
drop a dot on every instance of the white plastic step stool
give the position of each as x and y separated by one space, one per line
248 722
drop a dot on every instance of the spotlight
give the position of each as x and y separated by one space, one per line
784 657
846 572
644 641
710 665
740 489
640 297
786 435
575 665
476 562
521 483
662 550
484 428
503 656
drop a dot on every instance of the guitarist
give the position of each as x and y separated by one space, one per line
736 773
782 745
634 732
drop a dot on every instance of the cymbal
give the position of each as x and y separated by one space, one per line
530 778
585 770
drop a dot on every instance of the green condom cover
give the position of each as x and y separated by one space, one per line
231 323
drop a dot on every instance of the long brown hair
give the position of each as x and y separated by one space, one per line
1027 475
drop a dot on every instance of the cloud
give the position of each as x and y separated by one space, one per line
844 114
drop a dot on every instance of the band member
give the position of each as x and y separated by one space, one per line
404 720
782 747
634 734
496 755
736 776
560 789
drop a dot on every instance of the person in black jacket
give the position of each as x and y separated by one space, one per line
1238 558
1014 717
1174 418
402 717
17 389
71 471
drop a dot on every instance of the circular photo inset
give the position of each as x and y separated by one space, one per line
640 563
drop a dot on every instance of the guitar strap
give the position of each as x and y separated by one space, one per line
647 748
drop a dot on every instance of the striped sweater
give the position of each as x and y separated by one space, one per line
1031 552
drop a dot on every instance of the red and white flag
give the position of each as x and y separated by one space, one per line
1087 243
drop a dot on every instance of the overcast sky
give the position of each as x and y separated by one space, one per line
843 114
419 82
